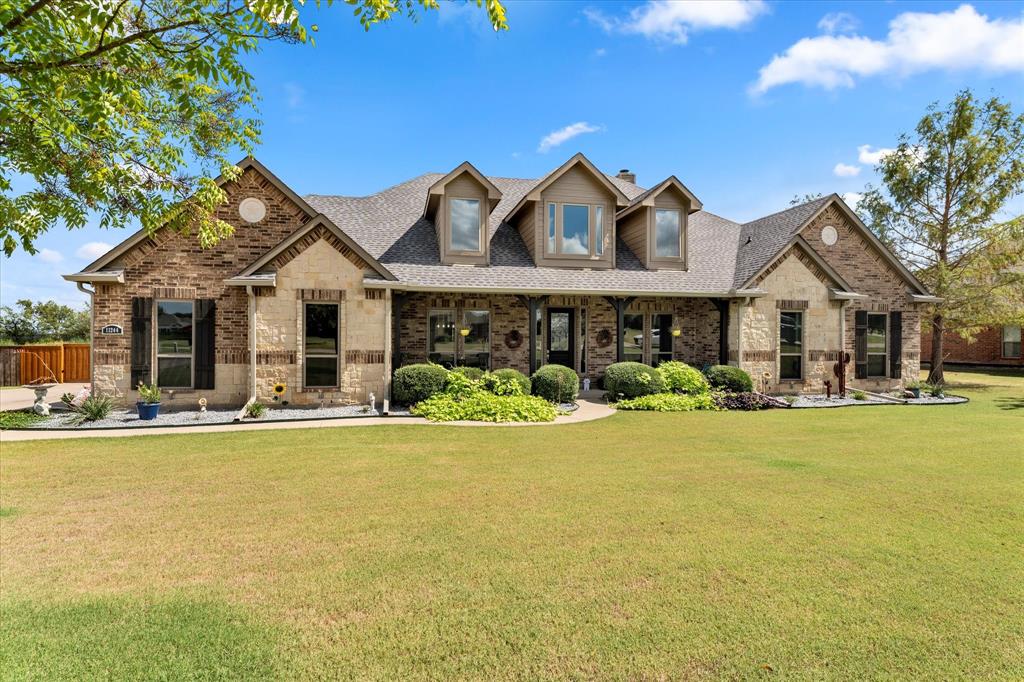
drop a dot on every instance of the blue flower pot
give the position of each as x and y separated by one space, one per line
148 411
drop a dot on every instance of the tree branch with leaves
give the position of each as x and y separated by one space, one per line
126 109
942 209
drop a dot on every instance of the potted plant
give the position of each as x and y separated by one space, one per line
149 401
914 386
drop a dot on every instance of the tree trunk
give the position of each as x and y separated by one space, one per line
935 376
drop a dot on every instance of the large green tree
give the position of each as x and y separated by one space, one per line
43 321
944 210
127 109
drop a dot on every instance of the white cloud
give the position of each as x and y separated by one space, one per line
917 42
600 52
844 170
93 250
852 199
295 95
665 20
872 157
838 22
50 256
565 134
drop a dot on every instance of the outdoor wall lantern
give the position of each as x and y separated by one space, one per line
676 331
464 331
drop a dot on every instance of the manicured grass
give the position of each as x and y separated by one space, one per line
867 542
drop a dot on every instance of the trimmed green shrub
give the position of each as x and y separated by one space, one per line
679 376
414 383
669 402
459 385
556 383
632 380
731 379
497 382
474 373
482 406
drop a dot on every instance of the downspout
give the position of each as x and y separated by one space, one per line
92 333
252 343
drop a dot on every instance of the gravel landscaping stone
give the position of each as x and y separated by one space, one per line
811 401
122 418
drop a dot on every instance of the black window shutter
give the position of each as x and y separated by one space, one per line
142 340
205 333
896 344
860 344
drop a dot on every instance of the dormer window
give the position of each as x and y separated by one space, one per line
575 230
464 220
668 234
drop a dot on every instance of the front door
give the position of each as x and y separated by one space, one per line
561 343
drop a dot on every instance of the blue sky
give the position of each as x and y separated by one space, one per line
748 103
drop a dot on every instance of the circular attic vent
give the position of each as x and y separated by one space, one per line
252 210
829 235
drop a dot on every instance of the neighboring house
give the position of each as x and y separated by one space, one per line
328 294
991 346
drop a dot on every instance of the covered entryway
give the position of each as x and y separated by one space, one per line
561 336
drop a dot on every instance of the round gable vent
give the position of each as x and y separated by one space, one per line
252 210
829 235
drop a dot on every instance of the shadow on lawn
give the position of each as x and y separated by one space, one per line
1010 403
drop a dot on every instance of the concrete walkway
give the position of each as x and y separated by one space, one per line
590 408
18 398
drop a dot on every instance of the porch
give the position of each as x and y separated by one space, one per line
586 333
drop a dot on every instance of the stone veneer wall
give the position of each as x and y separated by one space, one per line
866 271
321 273
171 265
791 286
697 319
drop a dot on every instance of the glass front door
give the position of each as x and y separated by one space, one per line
561 343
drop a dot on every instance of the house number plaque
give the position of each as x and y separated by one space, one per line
112 329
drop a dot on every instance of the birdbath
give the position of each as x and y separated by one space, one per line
40 406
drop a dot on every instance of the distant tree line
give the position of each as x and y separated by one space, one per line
31 322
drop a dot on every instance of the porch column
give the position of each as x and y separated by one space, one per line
397 301
533 304
620 304
723 330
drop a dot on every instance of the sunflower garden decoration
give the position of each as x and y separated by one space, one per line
279 390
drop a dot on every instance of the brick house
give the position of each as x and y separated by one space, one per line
991 346
326 294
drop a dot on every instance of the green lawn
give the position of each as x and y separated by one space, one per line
868 542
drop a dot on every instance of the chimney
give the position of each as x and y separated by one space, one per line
624 174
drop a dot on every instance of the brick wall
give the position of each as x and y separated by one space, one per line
697 319
987 348
868 272
169 260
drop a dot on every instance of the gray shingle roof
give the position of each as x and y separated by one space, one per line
760 240
390 226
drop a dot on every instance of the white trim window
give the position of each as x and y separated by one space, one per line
175 344
1011 341
878 345
321 343
791 345
575 230
464 225
668 233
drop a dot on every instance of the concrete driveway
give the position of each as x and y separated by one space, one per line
18 398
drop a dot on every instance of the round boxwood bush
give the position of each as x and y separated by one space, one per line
556 383
414 383
496 381
681 378
632 380
474 373
731 379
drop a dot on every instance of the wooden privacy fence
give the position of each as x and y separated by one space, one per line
62 362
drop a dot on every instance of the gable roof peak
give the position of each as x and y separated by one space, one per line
577 159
